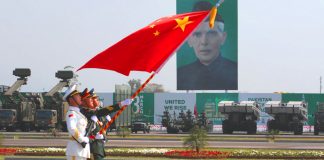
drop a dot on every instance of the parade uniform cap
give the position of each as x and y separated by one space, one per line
92 93
70 92
85 94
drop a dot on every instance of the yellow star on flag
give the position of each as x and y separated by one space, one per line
182 22
152 26
156 33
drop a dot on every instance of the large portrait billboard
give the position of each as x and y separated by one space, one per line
208 59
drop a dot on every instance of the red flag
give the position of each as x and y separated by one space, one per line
195 111
148 48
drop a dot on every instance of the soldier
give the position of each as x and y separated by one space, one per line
97 145
91 104
88 108
77 146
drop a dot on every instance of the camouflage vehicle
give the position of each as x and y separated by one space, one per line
287 116
16 112
45 119
239 116
51 114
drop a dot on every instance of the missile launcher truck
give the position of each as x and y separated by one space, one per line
287 116
239 116
319 118
16 112
52 113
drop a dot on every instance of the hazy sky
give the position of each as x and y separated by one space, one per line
281 42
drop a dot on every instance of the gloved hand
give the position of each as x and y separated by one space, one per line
108 118
99 136
126 102
94 118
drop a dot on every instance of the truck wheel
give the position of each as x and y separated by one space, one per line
252 127
226 127
172 130
27 128
298 129
301 127
144 131
11 129
316 130
271 125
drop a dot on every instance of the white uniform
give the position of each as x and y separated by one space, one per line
76 125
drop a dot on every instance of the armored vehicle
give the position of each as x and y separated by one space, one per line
184 122
17 112
319 118
169 122
52 113
287 116
239 116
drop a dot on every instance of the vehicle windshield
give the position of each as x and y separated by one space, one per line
138 125
6 114
44 114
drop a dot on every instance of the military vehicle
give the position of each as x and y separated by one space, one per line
52 113
17 112
184 122
140 126
239 116
287 116
319 118
140 122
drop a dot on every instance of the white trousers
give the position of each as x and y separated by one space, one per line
75 158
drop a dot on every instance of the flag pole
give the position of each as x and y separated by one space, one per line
213 13
124 107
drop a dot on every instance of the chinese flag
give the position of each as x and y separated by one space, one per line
148 48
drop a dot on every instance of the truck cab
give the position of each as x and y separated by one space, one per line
8 119
45 119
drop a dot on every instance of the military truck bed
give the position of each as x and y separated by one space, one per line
286 110
241 109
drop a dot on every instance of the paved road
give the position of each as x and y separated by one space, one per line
287 141
164 134
163 144
62 158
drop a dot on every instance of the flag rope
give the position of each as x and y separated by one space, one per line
125 106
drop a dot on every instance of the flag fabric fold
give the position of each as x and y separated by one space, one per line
148 48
